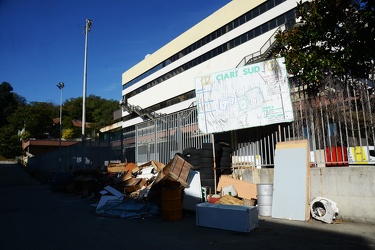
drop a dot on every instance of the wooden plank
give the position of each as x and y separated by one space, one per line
245 190
291 186
230 200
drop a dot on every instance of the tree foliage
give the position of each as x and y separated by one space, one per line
9 102
68 134
10 145
36 119
332 38
99 112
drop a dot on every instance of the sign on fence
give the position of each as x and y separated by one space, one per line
250 96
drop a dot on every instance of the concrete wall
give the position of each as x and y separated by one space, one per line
352 188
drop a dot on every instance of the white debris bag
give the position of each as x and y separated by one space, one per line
324 209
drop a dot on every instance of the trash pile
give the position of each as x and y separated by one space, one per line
126 190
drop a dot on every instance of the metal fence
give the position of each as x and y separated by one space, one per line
162 138
83 155
338 124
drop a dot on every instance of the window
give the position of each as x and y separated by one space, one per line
219 32
237 41
257 32
255 12
270 5
242 19
243 38
265 28
263 8
280 20
250 34
249 16
290 15
229 26
273 24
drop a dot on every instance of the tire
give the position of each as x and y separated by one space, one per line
227 149
206 165
194 158
195 163
226 171
225 163
207 146
206 171
206 176
208 182
224 144
205 152
206 161
188 151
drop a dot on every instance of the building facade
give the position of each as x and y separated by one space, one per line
163 83
159 114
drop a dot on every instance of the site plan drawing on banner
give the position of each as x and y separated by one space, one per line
251 96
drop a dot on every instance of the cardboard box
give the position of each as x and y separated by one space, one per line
157 165
228 217
134 184
176 170
245 190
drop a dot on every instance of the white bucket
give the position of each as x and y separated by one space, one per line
264 189
265 196
264 200
264 210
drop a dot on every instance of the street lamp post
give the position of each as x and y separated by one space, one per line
86 33
60 86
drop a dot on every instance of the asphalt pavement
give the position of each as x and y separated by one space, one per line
32 216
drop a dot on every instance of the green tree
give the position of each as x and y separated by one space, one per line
68 134
99 112
333 39
10 145
9 102
36 118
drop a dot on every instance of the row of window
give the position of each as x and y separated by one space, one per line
210 37
217 51
170 102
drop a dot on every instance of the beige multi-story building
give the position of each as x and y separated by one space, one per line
163 82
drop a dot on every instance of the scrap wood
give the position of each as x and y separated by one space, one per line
157 165
134 184
245 190
120 167
116 167
230 200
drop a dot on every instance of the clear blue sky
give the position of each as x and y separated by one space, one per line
42 42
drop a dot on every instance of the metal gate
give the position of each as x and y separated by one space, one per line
162 138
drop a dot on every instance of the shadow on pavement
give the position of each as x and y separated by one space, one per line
34 217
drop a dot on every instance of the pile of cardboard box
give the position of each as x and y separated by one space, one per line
234 198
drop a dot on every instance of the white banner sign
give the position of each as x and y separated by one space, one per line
250 96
